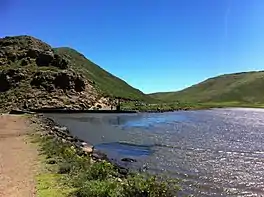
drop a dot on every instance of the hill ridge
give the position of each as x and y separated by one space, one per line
244 87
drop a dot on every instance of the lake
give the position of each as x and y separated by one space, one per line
218 152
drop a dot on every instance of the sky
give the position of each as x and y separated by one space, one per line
154 45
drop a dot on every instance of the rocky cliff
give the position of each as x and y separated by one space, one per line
33 76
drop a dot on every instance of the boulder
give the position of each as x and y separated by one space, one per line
87 149
129 160
45 58
79 84
61 129
97 155
63 81
10 78
59 62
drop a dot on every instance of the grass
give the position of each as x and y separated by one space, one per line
109 84
162 106
49 186
67 173
239 89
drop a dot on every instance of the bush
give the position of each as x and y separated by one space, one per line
96 172
139 186
65 168
98 188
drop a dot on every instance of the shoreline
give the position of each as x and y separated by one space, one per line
62 133
70 111
86 167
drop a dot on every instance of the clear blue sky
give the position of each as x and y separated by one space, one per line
154 45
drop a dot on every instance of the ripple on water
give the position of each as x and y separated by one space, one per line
215 152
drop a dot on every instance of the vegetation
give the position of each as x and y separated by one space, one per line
239 89
30 73
103 80
70 174
160 106
20 53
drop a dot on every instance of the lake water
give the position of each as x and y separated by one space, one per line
217 152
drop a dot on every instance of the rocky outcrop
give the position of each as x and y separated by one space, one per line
10 79
62 80
34 76
28 50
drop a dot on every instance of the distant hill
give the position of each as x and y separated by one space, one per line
34 75
245 87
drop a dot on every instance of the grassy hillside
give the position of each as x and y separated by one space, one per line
33 75
103 80
246 87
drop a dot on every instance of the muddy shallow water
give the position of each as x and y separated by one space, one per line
216 152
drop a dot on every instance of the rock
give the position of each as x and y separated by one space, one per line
99 106
25 61
11 56
123 171
10 78
56 127
129 160
79 84
97 155
51 161
70 139
87 149
63 129
92 161
18 111
45 58
3 62
60 62
33 53
63 81
72 90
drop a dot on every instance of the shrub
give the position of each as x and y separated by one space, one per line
97 188
139 186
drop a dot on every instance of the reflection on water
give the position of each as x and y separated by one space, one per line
215 152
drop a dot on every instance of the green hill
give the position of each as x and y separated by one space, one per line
245 87
103 80
34 75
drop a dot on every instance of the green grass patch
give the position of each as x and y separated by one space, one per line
68 174
48 185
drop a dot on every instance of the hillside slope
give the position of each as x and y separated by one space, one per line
245 87
33 75
109 84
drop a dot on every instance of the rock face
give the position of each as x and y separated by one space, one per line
34 76
10 79
51 81
27 50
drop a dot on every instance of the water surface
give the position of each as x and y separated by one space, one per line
216 152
